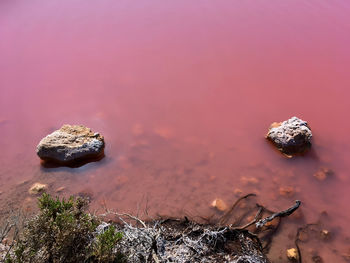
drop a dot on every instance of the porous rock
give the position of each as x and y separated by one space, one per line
37 188
71 143
291 137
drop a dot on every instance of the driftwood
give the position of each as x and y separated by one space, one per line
283 213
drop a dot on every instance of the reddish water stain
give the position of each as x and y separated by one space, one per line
183 92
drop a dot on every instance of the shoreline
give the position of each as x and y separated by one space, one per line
163 240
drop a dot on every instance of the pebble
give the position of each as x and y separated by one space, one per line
292 254
60 189
323 174
249 180
238 192
325 234
164 132
287 191
219 204
23 182
37 188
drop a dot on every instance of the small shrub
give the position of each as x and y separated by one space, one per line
105 246
63 232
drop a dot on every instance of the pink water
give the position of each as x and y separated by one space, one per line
183 92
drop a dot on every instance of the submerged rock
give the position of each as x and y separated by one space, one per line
323 173
325 234
219 204
37 188
60 189
249 180
292 254
287 191
292 136
71 143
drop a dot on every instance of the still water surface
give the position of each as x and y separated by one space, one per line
183 92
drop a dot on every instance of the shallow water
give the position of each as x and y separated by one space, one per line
184 92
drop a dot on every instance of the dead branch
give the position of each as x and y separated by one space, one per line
6 229
258 214
11 224
283 213
109 212
227 215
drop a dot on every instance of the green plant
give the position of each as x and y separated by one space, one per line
105 246
61 232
